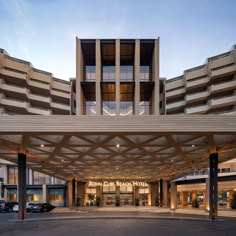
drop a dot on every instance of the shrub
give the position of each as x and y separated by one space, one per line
195 203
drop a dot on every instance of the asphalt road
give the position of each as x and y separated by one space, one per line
118 227
112 227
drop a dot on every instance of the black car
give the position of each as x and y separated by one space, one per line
7 206
42 207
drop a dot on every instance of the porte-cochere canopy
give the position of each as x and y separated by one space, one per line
97 148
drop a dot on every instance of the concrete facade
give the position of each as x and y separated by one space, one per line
119 78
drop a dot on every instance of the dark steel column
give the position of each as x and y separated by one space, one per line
213 188
22 186
73 192
161 192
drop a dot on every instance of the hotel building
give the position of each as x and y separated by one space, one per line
118 78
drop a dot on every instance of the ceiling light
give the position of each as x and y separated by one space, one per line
62 160
193 145
118 145
42 145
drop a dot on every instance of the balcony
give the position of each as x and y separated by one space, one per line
39 98
175 83
60 94
60 106
39 111
15 63
221 102
13 89
196 110
197 96
197 83
40 75
221 60
15 105
175 92
224 70
175 105
223 86
196 72
14 74
39 85
229 113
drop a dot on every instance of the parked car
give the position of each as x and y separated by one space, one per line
29 206
7 206
42 207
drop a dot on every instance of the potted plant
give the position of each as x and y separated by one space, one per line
195 203
91 199
136 201
98 200
117 201
233 201
78 201
157 201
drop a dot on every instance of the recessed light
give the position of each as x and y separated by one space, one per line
117 145
193 145
62 160
42 145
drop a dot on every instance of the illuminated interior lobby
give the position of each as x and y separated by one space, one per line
118 132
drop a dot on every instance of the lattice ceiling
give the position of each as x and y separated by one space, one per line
97 157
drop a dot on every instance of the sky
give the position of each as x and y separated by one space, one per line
44 31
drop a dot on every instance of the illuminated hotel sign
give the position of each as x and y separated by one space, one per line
117 183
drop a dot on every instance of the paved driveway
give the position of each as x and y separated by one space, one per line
118 227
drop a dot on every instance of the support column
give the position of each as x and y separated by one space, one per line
149 194
173 196
184 199
22 186
207 194
79 77
231 197
99 194
155 194
81 189
213 186
136 194
155 66
194 195
166 194
117 77
117 193
73 192
137 77
98 77
161 192
45 193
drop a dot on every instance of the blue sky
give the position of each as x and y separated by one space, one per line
43 31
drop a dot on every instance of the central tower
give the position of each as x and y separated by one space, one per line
117 77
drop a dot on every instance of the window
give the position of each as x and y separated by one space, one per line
12 175
90 73
40 178
108 73
126 189
90 108
109 189
145 73
126 73
145 108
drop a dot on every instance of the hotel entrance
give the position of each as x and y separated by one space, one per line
116 193
126 195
